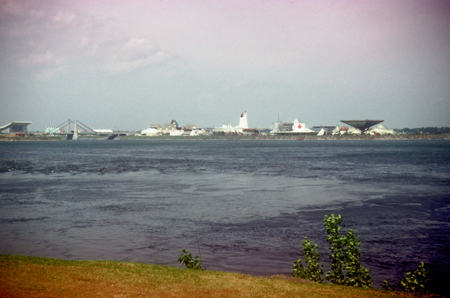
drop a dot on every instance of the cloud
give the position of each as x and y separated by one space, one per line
37 13
118 65
47 73
13 7
84 41
133 54
41 59
43 65
64 17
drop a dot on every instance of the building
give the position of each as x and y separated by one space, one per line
292 128
228 129
325 128
381 130
173 129
362 125
15 127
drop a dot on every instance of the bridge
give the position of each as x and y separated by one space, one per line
64 129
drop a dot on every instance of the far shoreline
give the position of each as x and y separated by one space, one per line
397 137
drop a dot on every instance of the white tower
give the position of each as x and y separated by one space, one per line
243 123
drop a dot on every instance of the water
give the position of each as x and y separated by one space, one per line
249 204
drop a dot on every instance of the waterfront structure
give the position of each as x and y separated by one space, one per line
15 127
53 130
326 128
381 130
362 125
151 132
345 130
354 131
292 128
243 122
156 126
175 133
228 129
172 129
378 130
103 130
192 130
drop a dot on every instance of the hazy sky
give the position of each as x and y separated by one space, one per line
127 64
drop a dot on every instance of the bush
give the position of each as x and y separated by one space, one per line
416 281
385 285
345 258
189 261
333 228
312 258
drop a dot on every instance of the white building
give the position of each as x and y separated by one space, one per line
291 128
381 130
227 129
151 132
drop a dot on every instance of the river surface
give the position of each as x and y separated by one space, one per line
246 204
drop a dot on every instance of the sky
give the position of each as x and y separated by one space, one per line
124 65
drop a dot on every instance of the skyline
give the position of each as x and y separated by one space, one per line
124 66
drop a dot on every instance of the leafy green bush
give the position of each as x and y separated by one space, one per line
416 281
332 226
189 261
298 270
312 258
385 285
345 256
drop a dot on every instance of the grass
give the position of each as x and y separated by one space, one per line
22 276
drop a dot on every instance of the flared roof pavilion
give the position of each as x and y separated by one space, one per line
362 124
15 126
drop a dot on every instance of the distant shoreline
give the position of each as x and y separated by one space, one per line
243 138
